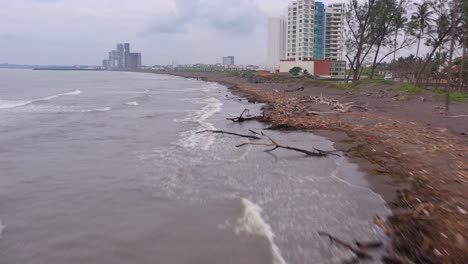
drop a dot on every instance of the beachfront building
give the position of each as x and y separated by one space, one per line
276 41
334 32
319 31
315 35
315 31
301 18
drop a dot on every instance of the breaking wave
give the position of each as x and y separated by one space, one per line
104 109
132 103
5 104
190 139
251 222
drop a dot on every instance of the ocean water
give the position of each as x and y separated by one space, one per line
108 167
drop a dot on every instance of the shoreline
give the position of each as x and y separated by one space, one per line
429 213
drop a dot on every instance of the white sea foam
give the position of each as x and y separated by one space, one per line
2 227
76 92
132 103
190 139
104 109
5 104
252 223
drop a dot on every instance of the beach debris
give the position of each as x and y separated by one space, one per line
395 259
379 222
295 90
241 117
359 253
315 152
336 106
369 244
228 133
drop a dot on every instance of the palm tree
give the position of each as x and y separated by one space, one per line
399 22
422 16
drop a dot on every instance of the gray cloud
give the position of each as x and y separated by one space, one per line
229 16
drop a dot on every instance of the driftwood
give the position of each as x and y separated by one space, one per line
359 253
229 133
295 90
241 117
337 107
369 245
315 152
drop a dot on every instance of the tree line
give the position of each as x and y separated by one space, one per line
377 30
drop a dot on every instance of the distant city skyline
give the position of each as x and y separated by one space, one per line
58 32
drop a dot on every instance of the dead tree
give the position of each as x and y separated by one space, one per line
314 153
241 117
229 133
359 253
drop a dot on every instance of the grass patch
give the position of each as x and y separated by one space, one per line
455 96
364 83
409 87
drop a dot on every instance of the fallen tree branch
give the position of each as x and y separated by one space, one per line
229 133
241 117
315 152
361 254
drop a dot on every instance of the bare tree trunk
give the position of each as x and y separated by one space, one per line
394 45
419 42
374 64
462 64
450 64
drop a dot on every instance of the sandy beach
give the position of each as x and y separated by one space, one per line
414 153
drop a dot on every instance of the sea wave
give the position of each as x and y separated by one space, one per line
132 103
251 222
104 109
193 139
5 104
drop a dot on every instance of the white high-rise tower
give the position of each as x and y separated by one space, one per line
301 19
276 41
334 31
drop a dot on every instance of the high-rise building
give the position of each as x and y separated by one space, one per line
276 41
120 56
126 55
134 61
314 31
122 59
228 61
105 64
301 18
319 31
334 31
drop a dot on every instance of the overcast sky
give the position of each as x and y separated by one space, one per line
186 31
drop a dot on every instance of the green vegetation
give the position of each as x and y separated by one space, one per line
409 87
455 96
295 71
365 83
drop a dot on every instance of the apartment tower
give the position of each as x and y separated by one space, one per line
277 30
334 31
315 32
